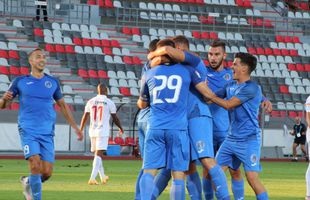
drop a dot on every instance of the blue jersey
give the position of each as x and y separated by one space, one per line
244 118
144 114
216 81
196 105
36 100
167 89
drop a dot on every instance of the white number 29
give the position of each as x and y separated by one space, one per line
167 82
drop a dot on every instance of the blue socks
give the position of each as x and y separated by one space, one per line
237 188
219 179
137 194
193 186
146 186
177 191
207 189
161 182
36 186
262 196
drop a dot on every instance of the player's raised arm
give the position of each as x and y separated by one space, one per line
68 115
176 54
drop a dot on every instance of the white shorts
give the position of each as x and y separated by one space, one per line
99 143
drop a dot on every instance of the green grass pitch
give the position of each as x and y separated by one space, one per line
284 181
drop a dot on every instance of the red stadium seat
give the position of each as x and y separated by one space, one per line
107 51
119 141
268 51
279 38
111 141
126 31
259 22
115 43
136 60
100 3
4 54
213 36
83 73
13 54
38 32
203 19
277 52
285 52
206 62
127 60
87 42
50 48
24 70
300 67
130 141
96 42
108 4
14 106
14 70
125 91
60 48
292 114
247 3
4 70
293 52
205 35
284 89
92 73
275 113
196 34
252 50
102 74
105 43
307 67
288 39
77 41
252 22
239 2
135 31
291 67
91 2
267 23
69 49
260 51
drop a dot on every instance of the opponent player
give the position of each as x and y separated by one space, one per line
36 121
242 99
99 109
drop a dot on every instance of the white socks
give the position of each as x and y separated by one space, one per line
97 164
101 170
308 180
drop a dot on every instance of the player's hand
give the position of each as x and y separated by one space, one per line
121 131
79 134
7 96
267 105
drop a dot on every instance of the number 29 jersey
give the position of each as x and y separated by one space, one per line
167 89
100 109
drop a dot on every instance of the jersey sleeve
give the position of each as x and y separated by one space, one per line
195 76
13 87
247 92
87 107
191 59
112 107
146 67
57 94
144 91
307 105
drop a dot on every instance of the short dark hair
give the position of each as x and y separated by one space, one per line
37 49
181 39
165 42
218 43
152 45
247 59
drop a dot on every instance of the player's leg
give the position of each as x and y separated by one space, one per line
142 128
303 149
201 147
35 178
193 183
160 182
154 158
249 154
101 148
208 190
178 161
295 158
237 183
96 162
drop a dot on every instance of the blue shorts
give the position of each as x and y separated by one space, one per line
201 137
166 148
142 128
233 153
42 145
218 139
